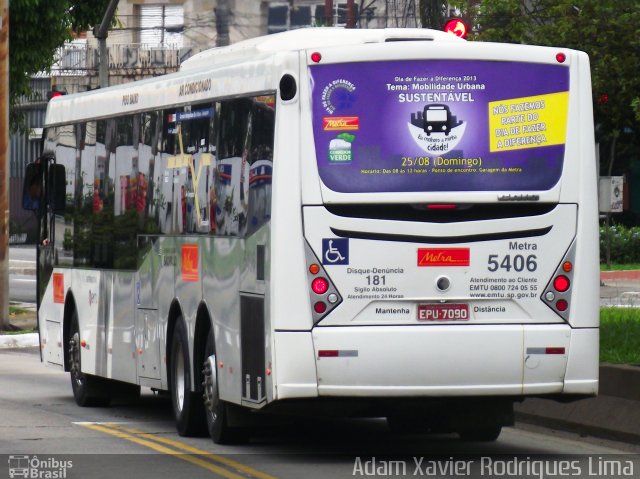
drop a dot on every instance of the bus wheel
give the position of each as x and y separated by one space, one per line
215 409
187 405
88 390
480 434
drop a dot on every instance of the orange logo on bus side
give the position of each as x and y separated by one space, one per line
189 262
443 257
340 123
58 288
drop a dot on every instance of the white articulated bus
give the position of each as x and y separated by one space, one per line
388 223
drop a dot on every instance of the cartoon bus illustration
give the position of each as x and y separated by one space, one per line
438 119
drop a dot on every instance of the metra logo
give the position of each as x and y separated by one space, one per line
332 123
443 256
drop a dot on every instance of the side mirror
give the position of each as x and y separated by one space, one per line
32 188
57 188
35 190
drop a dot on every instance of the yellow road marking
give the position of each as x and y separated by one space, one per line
152 441
194 450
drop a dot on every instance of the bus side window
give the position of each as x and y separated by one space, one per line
230 186
260 160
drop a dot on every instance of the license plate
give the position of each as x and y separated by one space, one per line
443 312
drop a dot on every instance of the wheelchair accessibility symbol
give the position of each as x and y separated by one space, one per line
335 251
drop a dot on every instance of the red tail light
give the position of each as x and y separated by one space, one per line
319 285
557 293
323 295
561 283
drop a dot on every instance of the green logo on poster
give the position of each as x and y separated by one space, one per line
340 148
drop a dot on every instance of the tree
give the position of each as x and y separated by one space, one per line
37 29
433 13
606 29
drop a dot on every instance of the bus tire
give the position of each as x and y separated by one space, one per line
216 410
480 434
88 390
188 408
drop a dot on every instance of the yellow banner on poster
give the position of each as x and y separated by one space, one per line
528 122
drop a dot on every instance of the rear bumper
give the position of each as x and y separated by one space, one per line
437 361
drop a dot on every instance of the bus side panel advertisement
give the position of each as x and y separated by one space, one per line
439 125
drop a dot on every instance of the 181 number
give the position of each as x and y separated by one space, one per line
518 263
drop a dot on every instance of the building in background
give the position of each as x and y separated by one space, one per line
153 37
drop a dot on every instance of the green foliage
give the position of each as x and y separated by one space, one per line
432 13
636 107
620 335
625 243
619 266
37 28
608 30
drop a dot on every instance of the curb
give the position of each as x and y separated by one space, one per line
613 414
624 275
22 270
14 341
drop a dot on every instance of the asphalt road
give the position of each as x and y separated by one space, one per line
38 418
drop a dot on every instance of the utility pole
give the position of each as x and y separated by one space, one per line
223 12
328 13
101 32
4 164
351 15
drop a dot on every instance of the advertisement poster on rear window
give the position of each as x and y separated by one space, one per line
439 125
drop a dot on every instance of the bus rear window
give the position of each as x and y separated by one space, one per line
439 125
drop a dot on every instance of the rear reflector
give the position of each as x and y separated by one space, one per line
562 305
549 350
554 351
319 307
328 353
441 207
338 353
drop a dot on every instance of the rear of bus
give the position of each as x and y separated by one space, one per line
450 225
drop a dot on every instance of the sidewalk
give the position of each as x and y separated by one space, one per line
620 288
22 322
613 414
